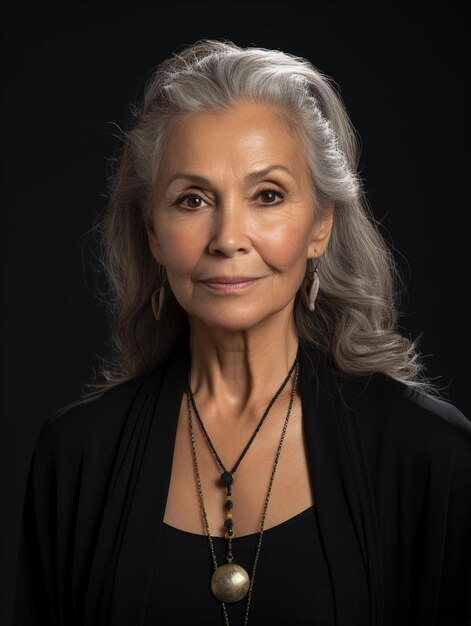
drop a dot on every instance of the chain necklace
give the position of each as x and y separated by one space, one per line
230 582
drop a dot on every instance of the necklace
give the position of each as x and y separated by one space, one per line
230 582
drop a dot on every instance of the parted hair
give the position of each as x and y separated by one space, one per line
355 321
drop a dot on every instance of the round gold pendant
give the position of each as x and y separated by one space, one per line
230 582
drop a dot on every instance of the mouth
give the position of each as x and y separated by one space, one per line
229 285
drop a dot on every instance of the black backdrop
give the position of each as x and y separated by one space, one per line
72 72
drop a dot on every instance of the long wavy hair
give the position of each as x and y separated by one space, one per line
357 308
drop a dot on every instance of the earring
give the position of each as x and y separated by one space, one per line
160 292
314 287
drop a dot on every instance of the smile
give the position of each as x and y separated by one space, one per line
230 286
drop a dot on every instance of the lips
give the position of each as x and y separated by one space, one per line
229 285
230 280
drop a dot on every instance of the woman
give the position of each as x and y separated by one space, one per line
265 446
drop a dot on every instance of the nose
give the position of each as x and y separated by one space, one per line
230 230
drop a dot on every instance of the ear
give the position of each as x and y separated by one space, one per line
320 233
154 244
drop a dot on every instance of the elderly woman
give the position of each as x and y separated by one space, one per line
264 445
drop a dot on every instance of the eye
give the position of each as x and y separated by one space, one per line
270 193
186 196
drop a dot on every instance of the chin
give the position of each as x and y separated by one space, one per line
228 323
233 319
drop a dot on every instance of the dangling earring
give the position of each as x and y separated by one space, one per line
160 292
314 287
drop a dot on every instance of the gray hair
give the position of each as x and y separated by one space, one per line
355 320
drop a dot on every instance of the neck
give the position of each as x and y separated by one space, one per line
238 373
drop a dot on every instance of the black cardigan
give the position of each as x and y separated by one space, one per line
391 472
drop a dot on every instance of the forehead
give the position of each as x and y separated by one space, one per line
234 140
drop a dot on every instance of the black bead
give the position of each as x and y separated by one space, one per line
227 478
228 524
229 504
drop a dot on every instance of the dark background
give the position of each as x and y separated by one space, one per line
71 74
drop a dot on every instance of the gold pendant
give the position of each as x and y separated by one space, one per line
230 582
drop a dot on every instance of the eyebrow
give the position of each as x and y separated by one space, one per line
250 178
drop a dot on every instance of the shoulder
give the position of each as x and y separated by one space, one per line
411 406
396 414
95 420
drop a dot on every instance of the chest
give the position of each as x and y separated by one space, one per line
291 489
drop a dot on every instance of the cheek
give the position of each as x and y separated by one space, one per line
284 245
181 246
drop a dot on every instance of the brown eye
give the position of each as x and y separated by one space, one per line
190 197
193 201
270 195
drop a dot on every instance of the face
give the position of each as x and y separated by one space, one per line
234 200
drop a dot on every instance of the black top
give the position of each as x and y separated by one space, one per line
292 584
391 475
